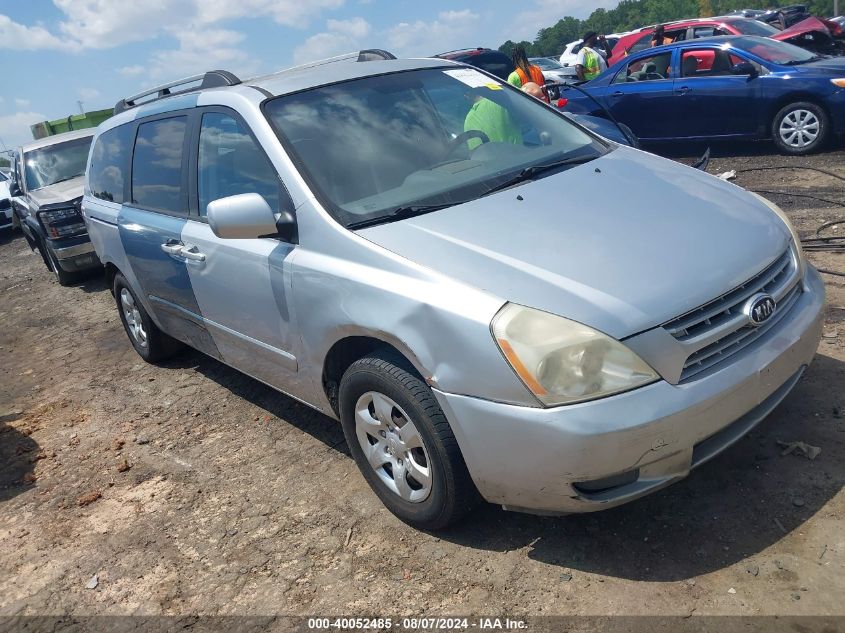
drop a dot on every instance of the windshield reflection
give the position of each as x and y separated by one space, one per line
426 139
57 163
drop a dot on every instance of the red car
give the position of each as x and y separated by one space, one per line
812 34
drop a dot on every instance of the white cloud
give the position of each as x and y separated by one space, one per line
545 13
131 71
99 24
450 30
20 37
341 36
356 27
14 128
201 50
88 94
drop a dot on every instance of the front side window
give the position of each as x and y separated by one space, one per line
231 163
157 165
651 68
49 165
109 159
375 146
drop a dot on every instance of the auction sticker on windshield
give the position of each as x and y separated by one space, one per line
471 78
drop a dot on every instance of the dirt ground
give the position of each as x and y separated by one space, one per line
188 488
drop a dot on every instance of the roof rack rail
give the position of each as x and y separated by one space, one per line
211 79
365 55
374 54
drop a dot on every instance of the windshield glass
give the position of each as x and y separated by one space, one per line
773 51
3 177
55 163
753 27
426 137
546 64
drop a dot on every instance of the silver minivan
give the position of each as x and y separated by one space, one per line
496 303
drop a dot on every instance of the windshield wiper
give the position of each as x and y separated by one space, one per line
55 182
534 170
401 213
796 62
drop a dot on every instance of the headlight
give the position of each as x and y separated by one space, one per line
796 239
61 222
562 361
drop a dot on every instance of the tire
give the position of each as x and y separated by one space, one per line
62 276
800 128
433 489
151 343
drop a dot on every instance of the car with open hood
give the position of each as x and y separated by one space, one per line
46 188
812 34
493 301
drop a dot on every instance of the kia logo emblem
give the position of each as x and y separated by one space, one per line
759 309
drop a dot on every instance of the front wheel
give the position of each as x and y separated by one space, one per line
402 442
800 128
62 276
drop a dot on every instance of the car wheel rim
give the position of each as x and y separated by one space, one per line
134 323
393 447
799 128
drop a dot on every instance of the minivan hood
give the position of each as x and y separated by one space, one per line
58 193
622 244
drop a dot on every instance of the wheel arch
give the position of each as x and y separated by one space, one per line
355 346
794 97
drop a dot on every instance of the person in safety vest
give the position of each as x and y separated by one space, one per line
524 72
590 63
493 121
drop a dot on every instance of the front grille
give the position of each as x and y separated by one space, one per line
719 329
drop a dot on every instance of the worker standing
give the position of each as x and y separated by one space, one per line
525 72
590 63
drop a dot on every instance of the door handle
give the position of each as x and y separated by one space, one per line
618 93
172 247
684 90
193 254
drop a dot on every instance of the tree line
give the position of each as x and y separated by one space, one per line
632 14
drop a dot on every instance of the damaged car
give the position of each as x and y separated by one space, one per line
46 189
491 304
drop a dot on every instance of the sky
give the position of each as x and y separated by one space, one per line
55 53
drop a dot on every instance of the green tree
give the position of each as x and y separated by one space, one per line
705 9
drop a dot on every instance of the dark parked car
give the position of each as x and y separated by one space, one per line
46 189
726 87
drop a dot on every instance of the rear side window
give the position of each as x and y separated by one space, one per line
231 163
109 160
157 166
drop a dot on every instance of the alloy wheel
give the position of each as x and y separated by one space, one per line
134 323
393 446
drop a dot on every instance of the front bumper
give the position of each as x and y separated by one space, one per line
74 254
596 455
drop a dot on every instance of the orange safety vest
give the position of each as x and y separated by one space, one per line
536 75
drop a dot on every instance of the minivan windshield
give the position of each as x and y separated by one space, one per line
56 163
383 147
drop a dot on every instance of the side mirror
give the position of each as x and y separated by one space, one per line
248 216
744 68
14 189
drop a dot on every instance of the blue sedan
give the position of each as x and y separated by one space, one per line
723 88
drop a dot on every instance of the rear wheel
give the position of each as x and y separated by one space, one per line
800 128
148 340
402 442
